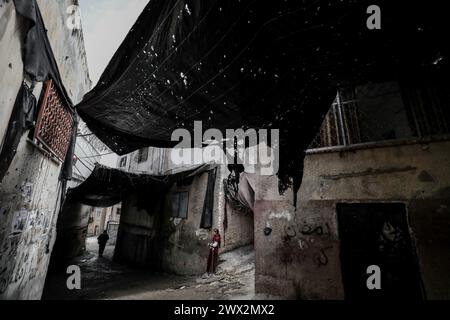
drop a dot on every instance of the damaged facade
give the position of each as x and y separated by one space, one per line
375 191
168 227
31 188
372 188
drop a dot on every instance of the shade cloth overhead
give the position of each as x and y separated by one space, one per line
106 186
260 64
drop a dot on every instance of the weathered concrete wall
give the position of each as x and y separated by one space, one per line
72 231
153 237
155 163
68 47
294 264
273 256
416 174
186 250
240 230
137 237
28 201
112 228
401 172
11 65
30 191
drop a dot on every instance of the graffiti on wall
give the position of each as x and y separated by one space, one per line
23 249
312 239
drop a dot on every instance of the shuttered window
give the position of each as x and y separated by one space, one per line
180 204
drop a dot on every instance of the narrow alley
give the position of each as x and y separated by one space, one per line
104 279
224 150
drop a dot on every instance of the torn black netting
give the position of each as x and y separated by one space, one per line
39 65
253 64
22 118
106 187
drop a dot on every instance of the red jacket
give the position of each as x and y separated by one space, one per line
216 238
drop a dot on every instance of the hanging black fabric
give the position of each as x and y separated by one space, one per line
260 64
206 221
106 187
22 117
38 58
39 65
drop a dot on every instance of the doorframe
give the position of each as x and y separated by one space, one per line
408 226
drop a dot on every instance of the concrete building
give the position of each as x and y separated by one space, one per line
165 230
112 222
101 219
375 191
31 189
97 219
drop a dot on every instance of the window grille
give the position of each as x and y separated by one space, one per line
427 108
346 123
54 124
341 125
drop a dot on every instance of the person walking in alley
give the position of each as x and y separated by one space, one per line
213 256
102 240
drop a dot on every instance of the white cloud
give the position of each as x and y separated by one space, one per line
105 25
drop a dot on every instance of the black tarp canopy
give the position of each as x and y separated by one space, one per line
260 64
106 187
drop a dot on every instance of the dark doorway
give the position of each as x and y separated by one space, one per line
377 234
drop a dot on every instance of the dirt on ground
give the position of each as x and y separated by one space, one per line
101 278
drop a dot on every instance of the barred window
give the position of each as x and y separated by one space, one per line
341 125
385 111
54 124
428 109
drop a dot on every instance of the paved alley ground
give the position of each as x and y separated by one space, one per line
104 279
